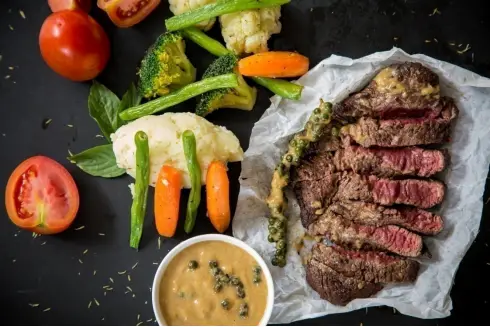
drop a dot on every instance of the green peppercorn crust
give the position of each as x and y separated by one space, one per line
277 201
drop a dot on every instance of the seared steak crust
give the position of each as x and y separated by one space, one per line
400 90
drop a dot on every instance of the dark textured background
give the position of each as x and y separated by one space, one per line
46 270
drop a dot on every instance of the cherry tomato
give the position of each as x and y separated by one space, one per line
74 45
126 13
41 196
59 5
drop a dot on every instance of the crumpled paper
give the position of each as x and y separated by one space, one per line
332 80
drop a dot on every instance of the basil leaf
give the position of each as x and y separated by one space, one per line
98 161
104 108
131 98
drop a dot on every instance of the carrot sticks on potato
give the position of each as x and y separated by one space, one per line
167 198
218 196
275 64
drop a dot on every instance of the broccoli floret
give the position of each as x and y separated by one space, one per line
165 67
242 97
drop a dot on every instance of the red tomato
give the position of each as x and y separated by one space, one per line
126 13
74 45
59 5
41 196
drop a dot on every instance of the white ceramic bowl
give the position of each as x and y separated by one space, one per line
204 238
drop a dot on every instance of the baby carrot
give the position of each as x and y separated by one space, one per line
167 198
218 196
275 64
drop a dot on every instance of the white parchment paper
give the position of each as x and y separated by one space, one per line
333 79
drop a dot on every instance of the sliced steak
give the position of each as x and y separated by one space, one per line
369 266
414 219
398 91
390 162
403 132
384 238
414 192
336 288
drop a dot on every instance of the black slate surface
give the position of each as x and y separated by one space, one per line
46 270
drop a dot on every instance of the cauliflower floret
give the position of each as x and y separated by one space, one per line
248 31
178 7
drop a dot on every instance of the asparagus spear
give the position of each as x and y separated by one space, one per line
277 201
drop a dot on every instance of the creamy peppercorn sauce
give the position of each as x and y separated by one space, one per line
187 296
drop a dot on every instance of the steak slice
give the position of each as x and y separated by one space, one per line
336 288
384 238
390 162
369 266
397 91
414 219
403 132
414 192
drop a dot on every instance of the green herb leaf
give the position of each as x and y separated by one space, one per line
98 161
130 99
104 108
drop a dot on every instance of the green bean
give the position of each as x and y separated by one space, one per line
281 87
138 208
216 9
185 93
189 141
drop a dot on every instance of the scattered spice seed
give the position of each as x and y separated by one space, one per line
460 45
129 288
488 263
7 76
465 49
105 293
138 324
95 272
150 320
156 263
47 309
488 200
146 302
138 318
98 135
121 272
81 227
101 234
436 41
80 260
70 125
43 243
436 11
135 265
22 14
134 295
85 252
129 278
159 242
427 41
395 38
89 304
70 153
11 68
394 310
109 289
14 260
126 292
96 302
11 28
112 280
34 305
452 43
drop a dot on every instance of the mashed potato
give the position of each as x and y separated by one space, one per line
164 135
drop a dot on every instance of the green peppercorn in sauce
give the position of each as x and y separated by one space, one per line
212 283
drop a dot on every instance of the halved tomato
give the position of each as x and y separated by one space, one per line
126 13
41 196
